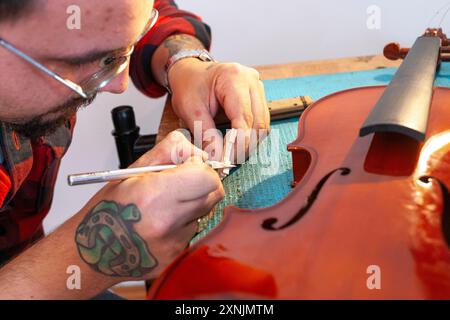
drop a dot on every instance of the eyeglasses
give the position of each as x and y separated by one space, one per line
113 65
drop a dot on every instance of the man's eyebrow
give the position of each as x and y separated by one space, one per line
89 57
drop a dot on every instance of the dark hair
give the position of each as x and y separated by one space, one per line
14 9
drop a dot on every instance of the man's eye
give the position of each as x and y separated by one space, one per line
107 60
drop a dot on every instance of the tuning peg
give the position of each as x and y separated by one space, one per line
445 57
392 51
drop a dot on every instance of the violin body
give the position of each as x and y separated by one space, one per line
368 218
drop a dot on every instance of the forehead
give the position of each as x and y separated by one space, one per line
102 25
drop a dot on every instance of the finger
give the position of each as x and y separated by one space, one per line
262 93
174 149
191 211
194 160
213 144
181 153
236 102
201 123
177 148
192 181
260 109
235 146
238 108
151 158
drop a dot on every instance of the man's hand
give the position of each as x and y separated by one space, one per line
200 89
164 211
129 230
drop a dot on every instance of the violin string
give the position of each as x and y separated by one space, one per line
437 13
443 17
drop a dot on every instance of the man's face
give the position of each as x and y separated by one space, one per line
34 102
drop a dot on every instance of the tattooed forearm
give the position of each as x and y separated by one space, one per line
168 48
180 42
107 242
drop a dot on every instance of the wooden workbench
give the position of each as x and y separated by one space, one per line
170 121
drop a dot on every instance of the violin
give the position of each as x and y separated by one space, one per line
369 214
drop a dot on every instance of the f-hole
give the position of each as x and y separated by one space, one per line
269 224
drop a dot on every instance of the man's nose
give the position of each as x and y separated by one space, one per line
119 84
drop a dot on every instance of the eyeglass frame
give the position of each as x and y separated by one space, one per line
119 62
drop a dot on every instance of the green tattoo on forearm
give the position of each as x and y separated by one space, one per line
107 242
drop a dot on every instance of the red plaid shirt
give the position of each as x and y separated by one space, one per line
29 170
171 21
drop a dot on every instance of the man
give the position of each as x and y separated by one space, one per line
129 230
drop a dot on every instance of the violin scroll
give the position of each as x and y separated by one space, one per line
393 51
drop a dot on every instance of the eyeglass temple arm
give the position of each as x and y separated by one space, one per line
66 82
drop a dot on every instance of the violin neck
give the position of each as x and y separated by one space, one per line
405 104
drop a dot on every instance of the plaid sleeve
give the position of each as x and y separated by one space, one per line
171 21
5 185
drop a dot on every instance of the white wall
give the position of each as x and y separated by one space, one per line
253 32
